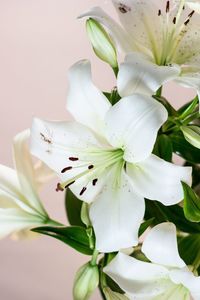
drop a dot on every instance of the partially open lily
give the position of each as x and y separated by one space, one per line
166 278
165 34
20 206
105 158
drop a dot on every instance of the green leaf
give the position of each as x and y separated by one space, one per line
163 147
189 247
188 108
73 209
184 149
145 225
75 237
174 214
191 204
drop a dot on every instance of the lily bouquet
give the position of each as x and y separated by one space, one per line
131 208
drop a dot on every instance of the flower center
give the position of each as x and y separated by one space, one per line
173 33
90 166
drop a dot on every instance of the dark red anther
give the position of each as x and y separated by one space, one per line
66 169
174 20
83 191
73 158
90 167
159 12
94 182
59 188
167 6
191 14
186 22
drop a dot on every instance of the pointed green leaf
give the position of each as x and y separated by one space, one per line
191 204
189 248
75 237
73 209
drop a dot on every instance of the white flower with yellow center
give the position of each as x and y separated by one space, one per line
20 206
166 278
153 34
105 158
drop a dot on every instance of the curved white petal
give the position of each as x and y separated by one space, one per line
86 103
160 246
132 124
43 173
139 75
116 214
156 179
25 170
188 280
141 21
123 41
13 220
140 280
11 195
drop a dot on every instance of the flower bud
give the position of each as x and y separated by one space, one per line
110 295
102 44
86 281
192 135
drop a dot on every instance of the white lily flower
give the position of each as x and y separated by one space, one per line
166 278
105 158
162 36
20 206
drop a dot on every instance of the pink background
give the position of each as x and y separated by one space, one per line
40 39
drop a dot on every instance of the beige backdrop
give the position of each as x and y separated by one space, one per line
40 39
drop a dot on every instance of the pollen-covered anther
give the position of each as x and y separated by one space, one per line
191 14
167 6
83 191
174 20
59 188
66 169
94 182
124 8
90 167
159 12
73 158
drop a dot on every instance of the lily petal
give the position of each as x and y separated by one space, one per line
132 124
13 220
141 21
159 252
147 179
187 279
140 280
25 170
86 103
120 37
116 215
139 75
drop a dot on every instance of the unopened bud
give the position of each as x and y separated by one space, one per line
192 135
102 44
110 295
86 281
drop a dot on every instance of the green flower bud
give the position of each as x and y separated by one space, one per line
102 44
192 135
110 295
86 281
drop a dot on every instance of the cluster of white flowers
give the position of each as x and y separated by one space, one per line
106 155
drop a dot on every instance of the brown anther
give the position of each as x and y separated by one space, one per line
94 182
73 158
159 12
167 6
90 167
59 188
186 22
191 14
66 169
83 191
69 184
174 20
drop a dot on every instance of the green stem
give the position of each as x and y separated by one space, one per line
159 92
93 261
116 71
